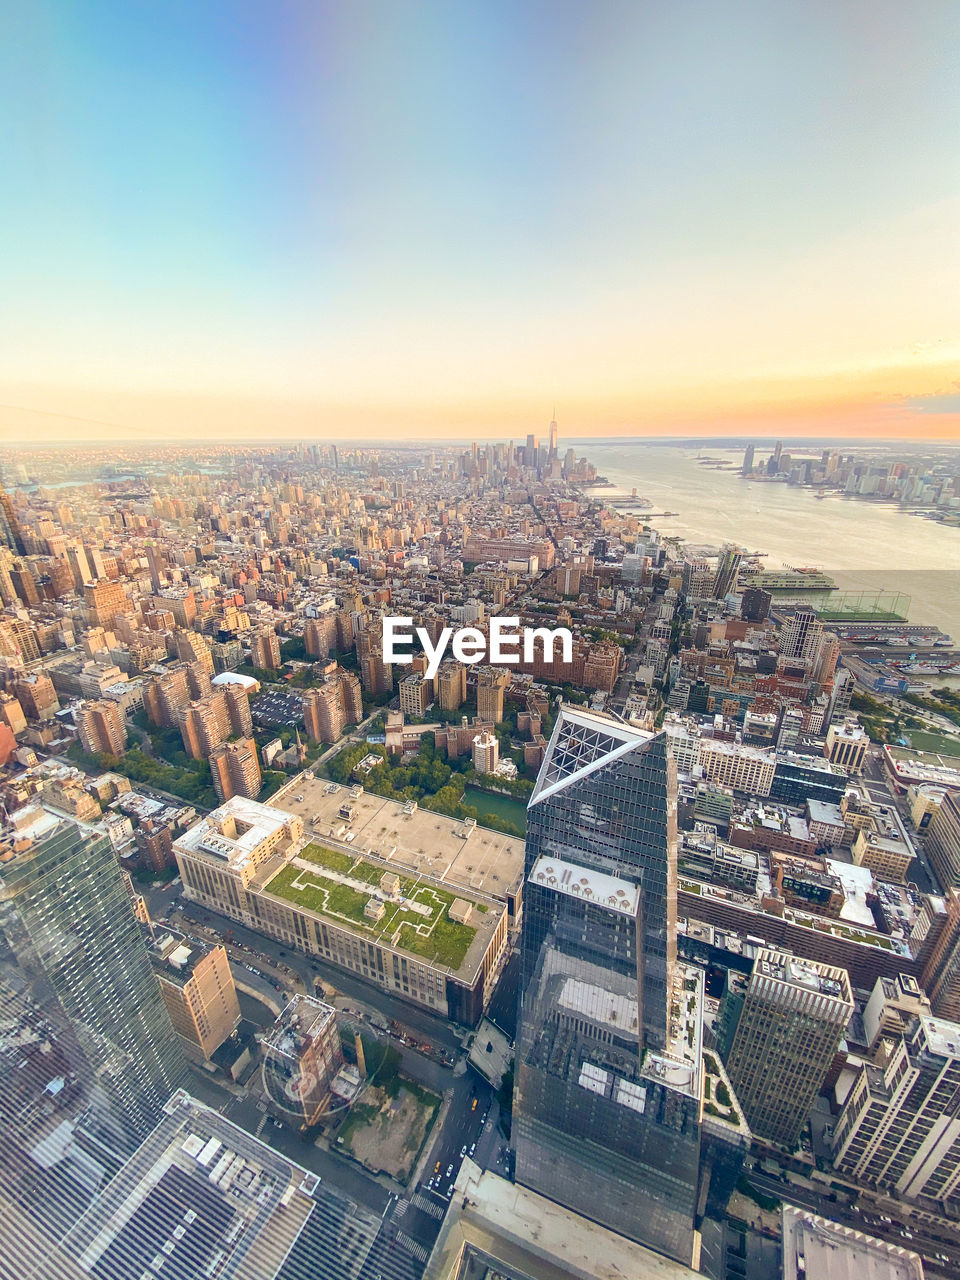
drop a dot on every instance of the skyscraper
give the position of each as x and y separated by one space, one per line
898 1128
71 943
793 1018
609 1074
747 460
728 566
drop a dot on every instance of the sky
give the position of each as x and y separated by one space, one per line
388 220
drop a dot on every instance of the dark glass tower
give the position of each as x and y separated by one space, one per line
609 1071
71 950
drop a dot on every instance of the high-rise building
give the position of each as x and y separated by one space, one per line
416 695
24 584
793 1019
190 646
197 987
329 708
37 696
10 532
105 601
69 937
943 840
747 466
205 724
486 753
167 695
801 634
301 1056
941 970
846 745
235 770
101 728
755 604
265 649
898 1129
451 684
492 684
728 566
554 430
320 636
609 1069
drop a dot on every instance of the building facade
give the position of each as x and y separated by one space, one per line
68 933
609 1069
793 1019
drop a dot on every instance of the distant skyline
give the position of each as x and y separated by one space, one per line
394 220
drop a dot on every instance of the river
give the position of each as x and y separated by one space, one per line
862 545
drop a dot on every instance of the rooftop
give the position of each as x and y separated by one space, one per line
234 831
531 1236
808 974
817 1247
462 855
582 882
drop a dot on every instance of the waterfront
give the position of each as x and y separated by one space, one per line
502 806
862 545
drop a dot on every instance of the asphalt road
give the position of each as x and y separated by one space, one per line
921 1237
461 1130
188 915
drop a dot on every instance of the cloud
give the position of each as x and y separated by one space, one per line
941 402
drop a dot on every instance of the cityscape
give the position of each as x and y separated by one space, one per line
656 942
479 641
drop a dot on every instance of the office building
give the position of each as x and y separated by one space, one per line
105 601
747 464
898 1129
24 585
610 1073
37 696
728 566
235 770
943 840
941 970
846 746
800 634
197 988
10 532
794 1016
202 1197
70 938
301 1055
101 727
492 684
251 862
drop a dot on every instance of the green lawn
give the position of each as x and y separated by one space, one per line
442 939
324 857
923 740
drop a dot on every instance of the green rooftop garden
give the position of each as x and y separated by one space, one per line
429 933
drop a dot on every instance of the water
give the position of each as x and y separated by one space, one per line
503 806
862 545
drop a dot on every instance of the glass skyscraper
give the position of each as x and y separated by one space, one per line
609 1070
75 975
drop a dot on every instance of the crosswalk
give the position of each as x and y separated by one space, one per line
428 1206
412 1247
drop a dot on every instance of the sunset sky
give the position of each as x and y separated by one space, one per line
388 220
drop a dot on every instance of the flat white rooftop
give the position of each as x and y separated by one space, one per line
823 1250
575 881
